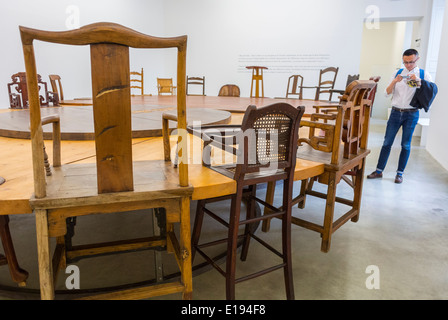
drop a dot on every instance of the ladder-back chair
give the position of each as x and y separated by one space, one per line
137 81
196 81
327 80
115 183
343 150
265 148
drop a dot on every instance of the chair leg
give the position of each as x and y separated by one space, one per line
235 211
329 213
18 275
185 244
286 239
43 252
358 183
197 227
250 213
270 192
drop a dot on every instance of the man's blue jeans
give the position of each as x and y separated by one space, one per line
406 120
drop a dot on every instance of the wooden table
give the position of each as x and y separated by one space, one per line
16 168
77 117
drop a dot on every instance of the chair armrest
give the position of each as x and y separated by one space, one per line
55 120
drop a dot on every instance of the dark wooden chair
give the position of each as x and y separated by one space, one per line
295 86
196 81
265 148
350 79
18 92
343 150
229 90
115 182
137 81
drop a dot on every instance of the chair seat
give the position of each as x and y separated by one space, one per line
308 153
74 184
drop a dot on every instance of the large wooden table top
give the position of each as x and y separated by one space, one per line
15 167
77 117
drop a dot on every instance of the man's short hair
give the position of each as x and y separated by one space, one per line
410 52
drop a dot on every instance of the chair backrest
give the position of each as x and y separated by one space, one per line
351 78
137 81
165 85
268 139
109 50
56 85
295 82
327 80
350 127
229 90
199 81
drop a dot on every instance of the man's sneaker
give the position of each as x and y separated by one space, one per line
375 175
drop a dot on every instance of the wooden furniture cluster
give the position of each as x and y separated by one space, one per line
117 182
339 140
325 85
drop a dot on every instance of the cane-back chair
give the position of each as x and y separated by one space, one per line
343 149
115 182
265 149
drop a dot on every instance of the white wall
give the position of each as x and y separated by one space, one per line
224 37
72 63
437 132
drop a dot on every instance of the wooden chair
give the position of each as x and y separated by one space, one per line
18 92
295 85
261 129
165 86
327 80
137 81
18 275
257 77
343 150
350 79
56 88
229 90
115 182
197 81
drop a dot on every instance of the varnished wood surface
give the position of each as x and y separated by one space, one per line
15 167
231 104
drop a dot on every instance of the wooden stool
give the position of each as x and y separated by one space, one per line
257 76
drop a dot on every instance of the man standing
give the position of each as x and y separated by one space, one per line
402 88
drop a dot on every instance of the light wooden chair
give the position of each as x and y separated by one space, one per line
229 90
137 81
165 86
196 81
265 146
56 88
115 182
343 150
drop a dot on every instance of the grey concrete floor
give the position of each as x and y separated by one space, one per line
402 234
